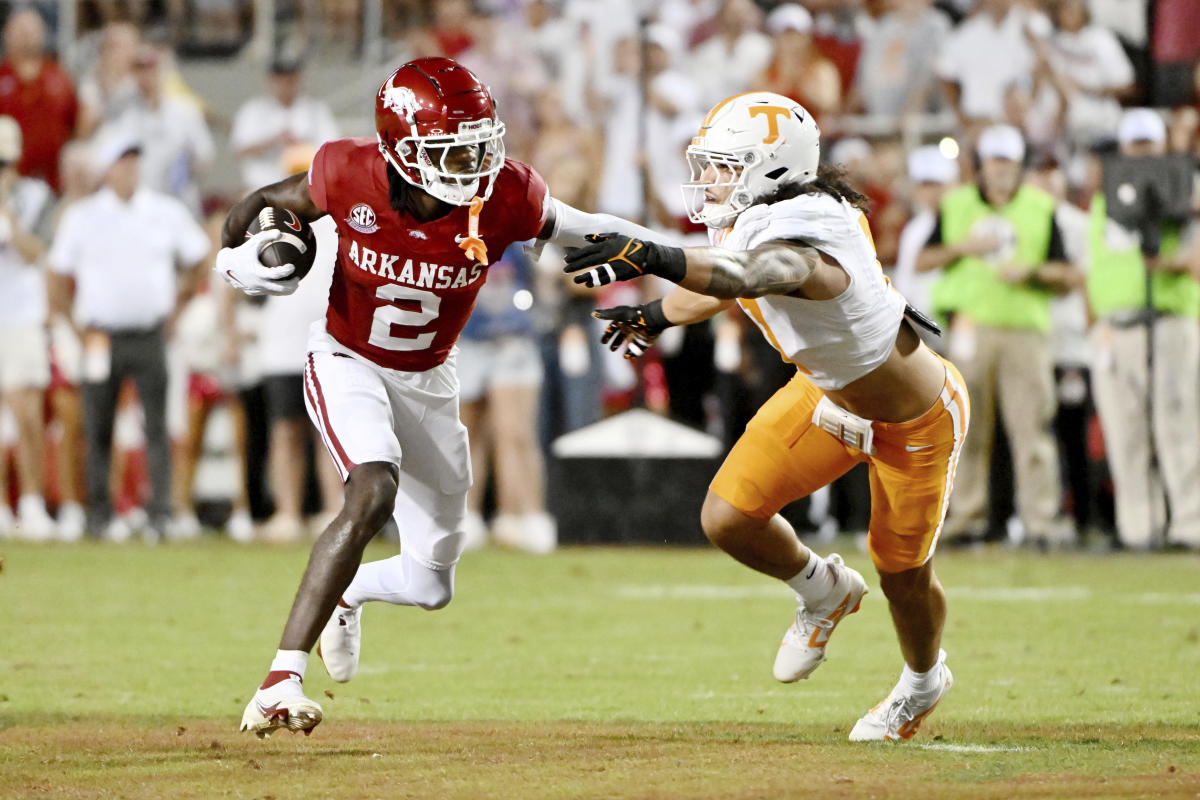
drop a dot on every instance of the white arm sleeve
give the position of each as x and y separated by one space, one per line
571 225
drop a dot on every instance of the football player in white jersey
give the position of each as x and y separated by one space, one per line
790 244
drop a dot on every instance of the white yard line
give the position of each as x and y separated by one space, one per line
973 748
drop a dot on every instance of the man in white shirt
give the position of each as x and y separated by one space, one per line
177 146
1090 71
726 63
114 258
932 174
24 359
266 126
987 55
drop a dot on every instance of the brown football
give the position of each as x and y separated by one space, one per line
296 246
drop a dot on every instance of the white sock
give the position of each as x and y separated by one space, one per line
290 661
813 583
920 682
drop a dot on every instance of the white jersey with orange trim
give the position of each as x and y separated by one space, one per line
835 341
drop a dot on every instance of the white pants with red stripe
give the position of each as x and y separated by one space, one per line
410 419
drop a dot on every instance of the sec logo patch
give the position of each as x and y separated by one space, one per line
362 218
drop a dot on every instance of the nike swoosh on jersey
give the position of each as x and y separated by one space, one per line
914 448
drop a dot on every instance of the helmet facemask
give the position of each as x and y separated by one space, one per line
450 166
731 171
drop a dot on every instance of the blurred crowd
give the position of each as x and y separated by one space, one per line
968 124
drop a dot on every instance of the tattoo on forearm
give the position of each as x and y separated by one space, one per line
780 269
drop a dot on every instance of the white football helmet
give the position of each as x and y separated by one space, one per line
757 142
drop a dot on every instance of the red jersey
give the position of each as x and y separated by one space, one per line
402 290
46 110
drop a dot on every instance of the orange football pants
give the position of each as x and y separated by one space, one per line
783 457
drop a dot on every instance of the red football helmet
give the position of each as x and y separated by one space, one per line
437 127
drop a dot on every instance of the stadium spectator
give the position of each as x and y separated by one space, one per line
1087 68
1170 428
788 233
450 33
518 76
672 108
983 59
1003 258
277 126
895 68
687 18
25 359
38 94
177 146
932 175
283 326
108 88
797 69
568 157
727 62
875 169
500 372
1072 358
618 100
544 30
64 402
114 256
1175 48
1128 19
201 333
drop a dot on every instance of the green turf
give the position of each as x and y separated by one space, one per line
1069 664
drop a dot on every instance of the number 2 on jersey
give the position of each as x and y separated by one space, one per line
389 315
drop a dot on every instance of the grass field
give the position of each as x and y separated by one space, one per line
592 673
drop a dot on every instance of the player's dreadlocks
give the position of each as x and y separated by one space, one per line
397 190
831 180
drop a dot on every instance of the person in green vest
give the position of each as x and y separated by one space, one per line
1002 261
1116 291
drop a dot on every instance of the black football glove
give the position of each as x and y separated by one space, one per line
636 327
612 257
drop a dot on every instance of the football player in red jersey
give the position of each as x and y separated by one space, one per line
415 229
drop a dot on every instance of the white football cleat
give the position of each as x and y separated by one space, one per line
282 705
900 715
341 642
803 647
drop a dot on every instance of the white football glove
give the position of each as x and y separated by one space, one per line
241 269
